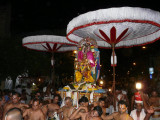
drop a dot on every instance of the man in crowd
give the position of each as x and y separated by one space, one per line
67 109
94 114
84 101
138 113
34 113
150 111
15 103
101 103
57 99
50 110
121 95
154 101
121 114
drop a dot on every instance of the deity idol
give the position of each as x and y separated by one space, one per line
87 64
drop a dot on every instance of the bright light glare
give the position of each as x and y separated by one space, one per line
101 82
138 86
143 47
134 63
75 51
109 89
34 84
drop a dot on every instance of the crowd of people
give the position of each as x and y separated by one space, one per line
22 105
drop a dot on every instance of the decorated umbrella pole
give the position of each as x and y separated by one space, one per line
49 43
116 28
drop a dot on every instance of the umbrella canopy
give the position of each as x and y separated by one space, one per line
48 43
115 28
124 27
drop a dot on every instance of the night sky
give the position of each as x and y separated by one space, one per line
36 15
31 17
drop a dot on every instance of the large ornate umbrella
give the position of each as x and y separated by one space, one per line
49 43
116 27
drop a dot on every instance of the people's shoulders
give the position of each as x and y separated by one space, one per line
24 105
8 106
37 111
113 114
96 118
53 104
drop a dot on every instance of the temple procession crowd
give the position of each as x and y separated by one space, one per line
20 104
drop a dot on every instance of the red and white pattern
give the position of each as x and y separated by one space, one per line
48 43
124 26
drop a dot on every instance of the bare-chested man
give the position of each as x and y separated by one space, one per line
150 111
95 114
121 114
50 110
68 109
84 101
82 111
14 104
101 103
34 113
38 95
154 101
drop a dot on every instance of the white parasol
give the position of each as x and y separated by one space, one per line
49 43
116 28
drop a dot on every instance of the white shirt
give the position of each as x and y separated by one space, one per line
134 115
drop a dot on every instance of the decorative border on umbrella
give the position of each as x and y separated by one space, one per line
72 45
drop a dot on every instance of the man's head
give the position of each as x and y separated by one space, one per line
56 99
14 114
84 101
122 106
139 106
154 93
96 112
68 101
37 95
15 97
101 102
36 104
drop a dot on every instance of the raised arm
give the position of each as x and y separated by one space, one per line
25 113
77 114
145 101
149 113
108 117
